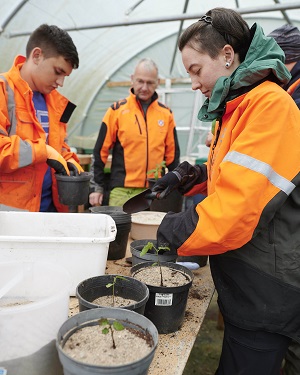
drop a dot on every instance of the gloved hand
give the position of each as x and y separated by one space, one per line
74 167
56 161
166 184
181 178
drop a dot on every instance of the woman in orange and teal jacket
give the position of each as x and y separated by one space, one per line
249 222
31 148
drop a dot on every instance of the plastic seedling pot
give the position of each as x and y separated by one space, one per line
166 305
137 246
117 248
73 190
95 287
129 319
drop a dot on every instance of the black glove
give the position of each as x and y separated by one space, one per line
182 178
166 184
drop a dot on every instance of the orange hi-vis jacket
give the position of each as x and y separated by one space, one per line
139 142
23 152
249 223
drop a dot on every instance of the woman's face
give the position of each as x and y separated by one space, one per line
203 70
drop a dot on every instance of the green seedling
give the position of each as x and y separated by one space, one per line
109 285
150 246
111 327
158 170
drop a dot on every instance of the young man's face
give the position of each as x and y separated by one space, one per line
48 73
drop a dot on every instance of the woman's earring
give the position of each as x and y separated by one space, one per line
227 65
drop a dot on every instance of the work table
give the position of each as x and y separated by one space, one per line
174 348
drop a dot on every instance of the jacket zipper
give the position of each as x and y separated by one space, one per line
214 144
139 125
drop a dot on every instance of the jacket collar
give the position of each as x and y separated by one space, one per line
264 60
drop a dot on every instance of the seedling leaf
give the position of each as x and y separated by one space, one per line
146 248
103 322
118 326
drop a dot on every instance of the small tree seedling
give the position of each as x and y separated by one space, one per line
150 246
109 285
110 327
158 170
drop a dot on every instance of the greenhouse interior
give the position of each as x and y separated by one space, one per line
111 36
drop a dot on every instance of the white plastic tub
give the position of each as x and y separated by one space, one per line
77 241
31 312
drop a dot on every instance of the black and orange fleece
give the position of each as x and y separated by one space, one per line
138 142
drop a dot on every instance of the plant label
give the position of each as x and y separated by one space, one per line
163 299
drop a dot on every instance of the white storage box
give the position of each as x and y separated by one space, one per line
77 241
34 303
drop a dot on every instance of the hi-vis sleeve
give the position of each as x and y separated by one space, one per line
250 175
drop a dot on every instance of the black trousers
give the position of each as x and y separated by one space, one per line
251 352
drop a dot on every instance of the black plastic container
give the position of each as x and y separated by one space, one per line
73 190
95 287
137 246
117 248
167 316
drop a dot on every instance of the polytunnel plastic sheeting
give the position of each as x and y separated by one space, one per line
109 54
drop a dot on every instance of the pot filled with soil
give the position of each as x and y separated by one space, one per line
145 224
112 291
117 248
107 341
137 246
169 285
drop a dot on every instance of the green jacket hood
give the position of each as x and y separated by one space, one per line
264 58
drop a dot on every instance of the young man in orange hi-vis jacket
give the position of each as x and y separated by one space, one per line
141 133
33 121
249 222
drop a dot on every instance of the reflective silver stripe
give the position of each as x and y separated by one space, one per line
25 154
25 149
11 108
261 167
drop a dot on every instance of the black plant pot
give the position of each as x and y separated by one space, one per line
117 248
73 190
173 202
90 289
166 305
137 246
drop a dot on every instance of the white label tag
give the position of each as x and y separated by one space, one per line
3 371
163 299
